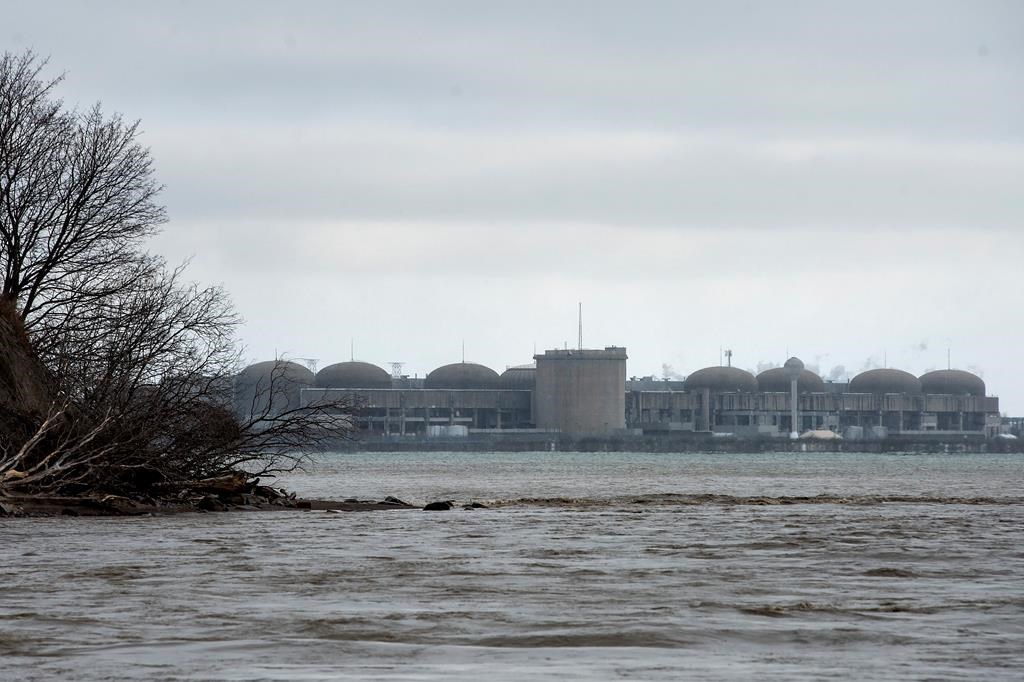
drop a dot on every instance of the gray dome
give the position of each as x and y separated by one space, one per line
885 381
462 375
291 372
952 382
518 379
775 381
721 380
353 374
271 387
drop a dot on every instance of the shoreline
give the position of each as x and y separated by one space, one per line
230 493
42 507
690 442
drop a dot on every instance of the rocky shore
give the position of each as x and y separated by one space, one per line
231 493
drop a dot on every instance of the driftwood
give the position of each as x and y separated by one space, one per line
233 483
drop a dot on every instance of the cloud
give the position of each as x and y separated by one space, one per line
632 179
770 68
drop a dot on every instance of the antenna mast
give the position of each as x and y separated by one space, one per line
580 318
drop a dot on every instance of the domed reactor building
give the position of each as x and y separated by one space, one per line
452 399
267 389
585 393
877 403
353 374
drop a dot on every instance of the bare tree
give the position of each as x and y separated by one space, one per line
141 360
77 194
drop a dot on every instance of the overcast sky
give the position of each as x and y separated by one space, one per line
839 181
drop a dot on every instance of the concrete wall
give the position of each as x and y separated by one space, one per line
581 392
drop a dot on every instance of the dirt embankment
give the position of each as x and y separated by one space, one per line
24 385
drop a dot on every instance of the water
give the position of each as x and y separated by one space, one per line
588 566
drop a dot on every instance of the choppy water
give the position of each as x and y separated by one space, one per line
590 566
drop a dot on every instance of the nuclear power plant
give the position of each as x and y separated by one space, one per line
585 393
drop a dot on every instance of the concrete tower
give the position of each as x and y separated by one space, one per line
581 391
793 368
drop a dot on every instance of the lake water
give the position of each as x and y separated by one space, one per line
586 566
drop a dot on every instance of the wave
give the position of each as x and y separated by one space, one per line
628 638
806 608
701 499
889 572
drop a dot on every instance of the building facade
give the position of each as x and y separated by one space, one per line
584 392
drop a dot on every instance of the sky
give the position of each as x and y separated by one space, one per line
841 181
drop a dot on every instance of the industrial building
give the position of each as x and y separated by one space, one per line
581 391
584 392
877 402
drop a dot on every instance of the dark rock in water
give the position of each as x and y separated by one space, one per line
351 499
474 505
395 500
438 506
